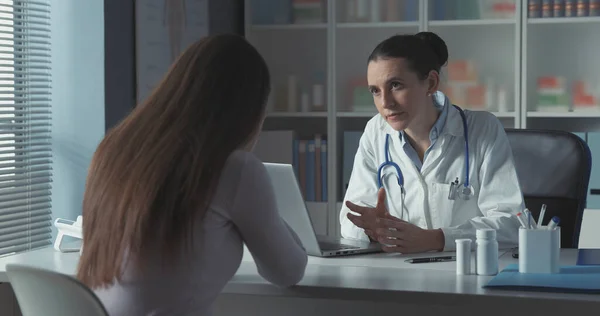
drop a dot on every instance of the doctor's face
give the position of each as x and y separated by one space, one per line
398 93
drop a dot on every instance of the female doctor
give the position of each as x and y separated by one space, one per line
426 172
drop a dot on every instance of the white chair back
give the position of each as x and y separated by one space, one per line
43 292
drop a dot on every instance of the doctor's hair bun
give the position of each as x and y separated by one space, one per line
424 52
437 44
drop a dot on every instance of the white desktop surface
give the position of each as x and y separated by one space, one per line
386 272
374 278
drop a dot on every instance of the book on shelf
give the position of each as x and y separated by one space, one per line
282 12
374 11
351 140
472 9
562 8
307 156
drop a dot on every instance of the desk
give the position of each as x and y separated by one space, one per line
375 284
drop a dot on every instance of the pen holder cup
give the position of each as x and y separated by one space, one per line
539 250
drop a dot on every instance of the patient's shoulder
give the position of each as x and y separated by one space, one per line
236 178
242 168
241 160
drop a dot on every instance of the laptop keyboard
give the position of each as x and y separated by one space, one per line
328 246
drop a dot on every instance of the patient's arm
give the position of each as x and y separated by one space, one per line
276 249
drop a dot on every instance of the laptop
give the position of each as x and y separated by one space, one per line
292 209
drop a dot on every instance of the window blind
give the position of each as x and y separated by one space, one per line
25 121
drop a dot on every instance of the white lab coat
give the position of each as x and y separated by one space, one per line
497 194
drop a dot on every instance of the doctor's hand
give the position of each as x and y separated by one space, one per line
400 236
369 217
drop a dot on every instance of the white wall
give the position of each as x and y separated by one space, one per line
78 98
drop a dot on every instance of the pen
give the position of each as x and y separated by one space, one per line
542 213
431 259
522 220
531 221
553 222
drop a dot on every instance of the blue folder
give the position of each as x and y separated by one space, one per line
571 279
588 257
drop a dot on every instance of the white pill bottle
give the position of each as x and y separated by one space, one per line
487 252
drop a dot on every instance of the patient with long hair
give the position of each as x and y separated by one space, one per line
174 193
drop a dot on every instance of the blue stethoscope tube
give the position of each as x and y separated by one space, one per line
389 162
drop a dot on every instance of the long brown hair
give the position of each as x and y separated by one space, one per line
156 171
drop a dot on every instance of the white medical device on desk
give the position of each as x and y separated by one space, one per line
68 228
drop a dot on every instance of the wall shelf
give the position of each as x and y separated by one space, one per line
378 25
371 114
297 114
473 22
573 114
561 20
364 114
503 114
286 27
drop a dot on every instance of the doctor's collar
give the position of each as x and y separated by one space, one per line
440 99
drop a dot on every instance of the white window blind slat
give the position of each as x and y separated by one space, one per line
25 230
21 112
7 160
42 187
13 179
16 152
4 13
26 208
32 245
10 144
10 72
31 199
23 101
9 171
14 220
15 239
20 196
24 183
38 50
24 244
25 123
26 6
31 162
34 19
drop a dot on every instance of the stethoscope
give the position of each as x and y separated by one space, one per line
465 192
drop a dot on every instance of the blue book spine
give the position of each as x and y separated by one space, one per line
282 11
310 171
559 8
534 8
547 8
260 12
324 170
594 8
295 156
570 8
411 11
439 10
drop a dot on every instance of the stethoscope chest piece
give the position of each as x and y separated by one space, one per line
462 191
465 192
